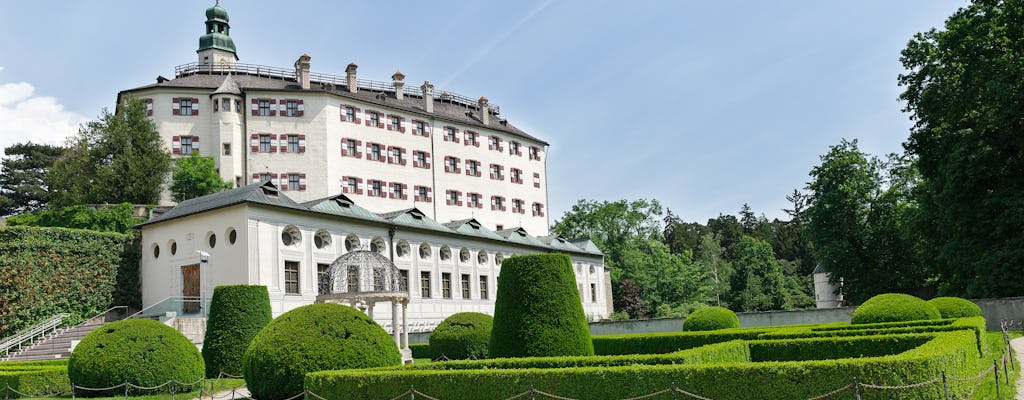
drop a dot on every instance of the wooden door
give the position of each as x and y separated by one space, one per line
190 288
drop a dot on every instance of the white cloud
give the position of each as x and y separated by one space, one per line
25 116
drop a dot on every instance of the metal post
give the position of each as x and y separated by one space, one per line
412 393
945 384
533 395
673 391
856 389
172 390
995 365
7 389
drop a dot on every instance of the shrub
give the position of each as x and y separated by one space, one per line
893 307
420 350
237 313
461 336
538 311
710 319
313 338
35 378
142 352
47 271
660 343
955 307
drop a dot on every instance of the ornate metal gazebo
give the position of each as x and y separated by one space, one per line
362 278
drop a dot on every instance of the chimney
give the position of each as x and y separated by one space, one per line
302 71
485 110
350 75
428 96
398 81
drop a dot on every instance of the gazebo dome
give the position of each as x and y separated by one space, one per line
363 272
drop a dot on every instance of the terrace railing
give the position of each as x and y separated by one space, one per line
336 80
180 306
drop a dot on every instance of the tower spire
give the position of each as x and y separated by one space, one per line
216 46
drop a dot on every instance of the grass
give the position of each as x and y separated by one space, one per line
987 389
217 385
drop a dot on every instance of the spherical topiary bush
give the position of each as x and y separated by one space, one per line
142 352
537 311
461 336
237 313
893 307
312 338
955 307
711 318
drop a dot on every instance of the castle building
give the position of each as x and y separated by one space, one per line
384 144
323 166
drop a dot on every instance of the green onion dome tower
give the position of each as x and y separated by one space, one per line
216 46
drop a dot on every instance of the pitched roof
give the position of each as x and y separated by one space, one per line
414 218
259 193
472 227
587 245
519 235
443 109
559 243
228 86
341 205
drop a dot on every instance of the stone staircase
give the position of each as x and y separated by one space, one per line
58 344
53 346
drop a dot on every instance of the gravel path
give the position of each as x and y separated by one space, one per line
1018 349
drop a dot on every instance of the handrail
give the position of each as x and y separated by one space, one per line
30 333
103 314
154 305
336 80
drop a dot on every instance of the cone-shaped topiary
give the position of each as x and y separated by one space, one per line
311 338
538 311
711 318
893 307
237 313
141 352
461 336
955 307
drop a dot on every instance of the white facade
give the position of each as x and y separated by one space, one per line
244 116
826 295
259 256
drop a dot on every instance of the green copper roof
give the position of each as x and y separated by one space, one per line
217 31
217 12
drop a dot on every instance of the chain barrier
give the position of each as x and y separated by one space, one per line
902 387
647 396
980 376
678 390
834 392
549 395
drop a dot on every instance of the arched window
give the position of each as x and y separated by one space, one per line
481 257
464 255
232 235
211 239
498 258
156 250
445 253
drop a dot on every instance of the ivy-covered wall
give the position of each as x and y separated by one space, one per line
46 271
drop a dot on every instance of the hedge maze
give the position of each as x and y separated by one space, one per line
790 362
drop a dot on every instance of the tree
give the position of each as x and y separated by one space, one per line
860 220
629 299
611 225
964 89
196 176
118 158
758 283
22 172
712 260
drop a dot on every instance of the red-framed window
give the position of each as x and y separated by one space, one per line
420 159
453 197
396 155
498 203
185 106
423 193
292 181
291 108
451 165
351 148
497 172
451 134
538 210
351 114
472 138
398 191
184 145
351 185
292 143
473 168
516 175
495 143
263 107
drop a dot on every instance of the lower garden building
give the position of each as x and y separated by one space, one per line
257 235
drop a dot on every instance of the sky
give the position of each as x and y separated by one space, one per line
702 105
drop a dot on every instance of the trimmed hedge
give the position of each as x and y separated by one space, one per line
955 307
710 319
831 348
950 351
142 352
878 325
36 378
420 350
313 338
893 307
47 271
734 351
661 343
237 314
462 336
538 311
